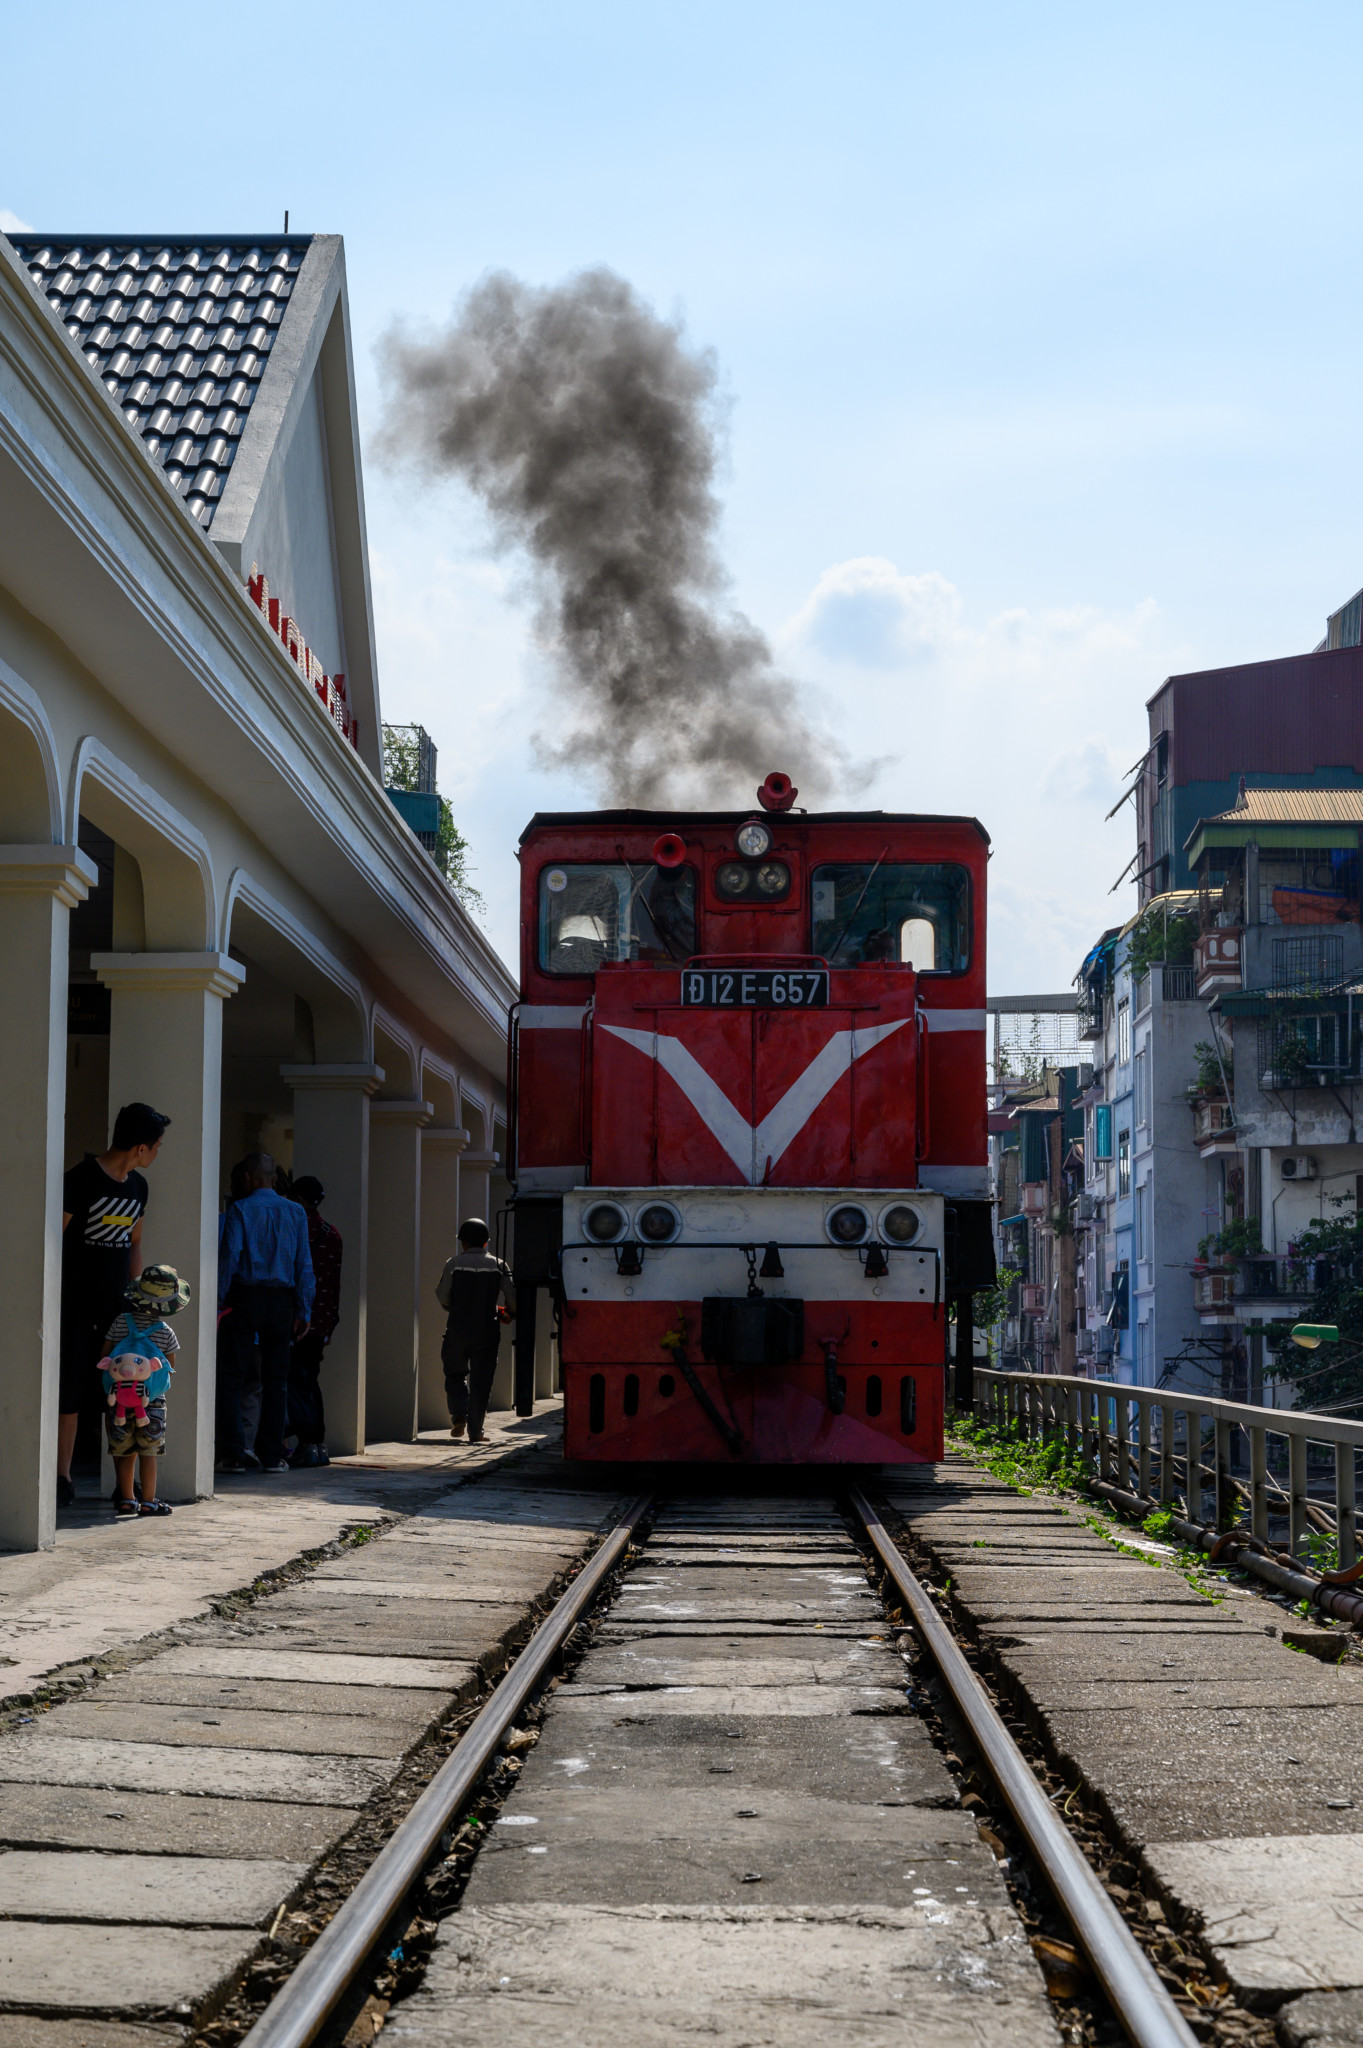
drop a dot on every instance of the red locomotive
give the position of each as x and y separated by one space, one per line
748 1126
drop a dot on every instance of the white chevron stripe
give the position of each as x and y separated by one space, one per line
747 1145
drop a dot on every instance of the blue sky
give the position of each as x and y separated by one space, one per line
1038 330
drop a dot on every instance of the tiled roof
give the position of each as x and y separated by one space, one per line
1294 807
180 332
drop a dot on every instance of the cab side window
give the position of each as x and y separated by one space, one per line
871 911
594 912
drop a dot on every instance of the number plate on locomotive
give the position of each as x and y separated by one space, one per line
755 988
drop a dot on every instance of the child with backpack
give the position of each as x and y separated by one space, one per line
140 1346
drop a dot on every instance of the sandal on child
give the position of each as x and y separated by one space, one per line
123 1509
154 1507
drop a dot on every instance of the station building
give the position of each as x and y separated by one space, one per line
207 900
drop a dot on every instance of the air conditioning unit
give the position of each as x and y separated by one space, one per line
1301 1166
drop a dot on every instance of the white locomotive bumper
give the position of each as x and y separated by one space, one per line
683 1244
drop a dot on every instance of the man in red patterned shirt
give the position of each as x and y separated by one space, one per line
307 1417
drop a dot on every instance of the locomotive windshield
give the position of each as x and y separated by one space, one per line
872 910
591 914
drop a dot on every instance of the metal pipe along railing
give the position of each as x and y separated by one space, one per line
1130 1981
298 2013
1146 1470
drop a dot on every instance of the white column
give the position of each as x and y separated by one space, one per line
165 1048
331 1140
475 1180
440 1155
394 1267
39 887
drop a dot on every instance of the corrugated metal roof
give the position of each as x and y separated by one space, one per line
180 332
1178 902
1292 716
1294 807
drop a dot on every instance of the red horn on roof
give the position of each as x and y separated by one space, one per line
669 851
777 793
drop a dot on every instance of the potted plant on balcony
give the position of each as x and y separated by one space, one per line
1213 1074
1219 1257
1240 1239
1292 1061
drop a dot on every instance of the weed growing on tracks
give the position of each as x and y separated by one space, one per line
1018 1460
1050 1468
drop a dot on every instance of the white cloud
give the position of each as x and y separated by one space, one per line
1090 769
866 612
10 223
1025 720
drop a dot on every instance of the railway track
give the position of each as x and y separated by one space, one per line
731 1819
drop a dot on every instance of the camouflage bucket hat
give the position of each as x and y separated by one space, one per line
159 1288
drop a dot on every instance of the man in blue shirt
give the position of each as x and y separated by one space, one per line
265 1282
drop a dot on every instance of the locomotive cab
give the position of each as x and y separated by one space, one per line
748 1127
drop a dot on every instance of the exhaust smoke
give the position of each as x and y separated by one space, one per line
589 430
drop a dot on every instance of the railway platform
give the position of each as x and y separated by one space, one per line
195 1711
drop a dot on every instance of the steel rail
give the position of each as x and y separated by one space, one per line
1133 1988
298 2013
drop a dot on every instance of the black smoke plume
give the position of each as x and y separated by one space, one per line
589 430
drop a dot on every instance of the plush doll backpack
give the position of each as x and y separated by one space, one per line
136 1371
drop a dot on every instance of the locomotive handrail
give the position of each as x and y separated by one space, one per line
584 1084
765 959
513 1075
823 1009
923 1134
734 1244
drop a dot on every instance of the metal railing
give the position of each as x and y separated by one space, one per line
1262 1277
1178 984
1231 1468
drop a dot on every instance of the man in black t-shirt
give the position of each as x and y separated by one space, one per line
103 1201
475 1289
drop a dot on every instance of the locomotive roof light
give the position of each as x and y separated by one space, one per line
669 850
605 1222
753 839
899 1224
848 1224
658 1223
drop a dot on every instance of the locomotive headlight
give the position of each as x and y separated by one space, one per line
604 1222
900 1224
753 841
659 1223
773 878
848 1224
